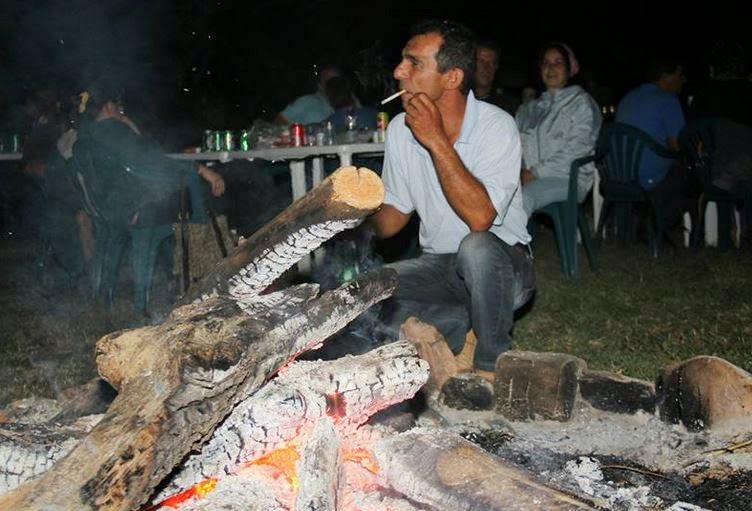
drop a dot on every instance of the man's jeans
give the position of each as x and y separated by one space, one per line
480 287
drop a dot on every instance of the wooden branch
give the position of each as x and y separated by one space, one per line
348 389
339 202
440 469
177 381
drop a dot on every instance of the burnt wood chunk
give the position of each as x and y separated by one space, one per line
433 348
616 393
177 381
347 389
705 393
441 470
339 202
532 385
319 469
468 391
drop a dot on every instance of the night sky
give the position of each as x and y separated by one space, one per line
224 63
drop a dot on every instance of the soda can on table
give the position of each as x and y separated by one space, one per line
297 134
16 143
244 140
382 121
228 141
209 142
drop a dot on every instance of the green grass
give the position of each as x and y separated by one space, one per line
634 316
638 314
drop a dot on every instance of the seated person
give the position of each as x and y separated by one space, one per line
310 108
555 129
130 187
654 108
487 63
347 114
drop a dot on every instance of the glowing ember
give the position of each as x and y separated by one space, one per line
336 406
363 457
200 491
284 460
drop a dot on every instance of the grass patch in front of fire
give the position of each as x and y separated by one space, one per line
634 316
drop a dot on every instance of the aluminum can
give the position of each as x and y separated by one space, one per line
16 143
244 141
228 141
208 143
382 121
297 134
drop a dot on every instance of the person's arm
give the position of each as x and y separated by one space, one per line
464 192
388 221
674 121
215 179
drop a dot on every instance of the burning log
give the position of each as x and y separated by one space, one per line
444 471
178 380
339 202
349 390
320 470
28 450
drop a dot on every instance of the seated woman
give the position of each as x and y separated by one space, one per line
131 188
555 129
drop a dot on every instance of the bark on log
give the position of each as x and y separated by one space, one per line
339 202
28 450
440 469
177 381
349 389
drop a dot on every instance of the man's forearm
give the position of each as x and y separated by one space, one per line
467 196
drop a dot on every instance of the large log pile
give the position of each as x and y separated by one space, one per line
210 401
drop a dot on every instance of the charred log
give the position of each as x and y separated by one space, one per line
340 202
348 390
444 471
177 381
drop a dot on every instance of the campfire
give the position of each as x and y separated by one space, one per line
214 411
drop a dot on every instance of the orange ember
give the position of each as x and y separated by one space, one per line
200 490
363 457
283 459
336 406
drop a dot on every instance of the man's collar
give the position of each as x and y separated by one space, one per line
469 120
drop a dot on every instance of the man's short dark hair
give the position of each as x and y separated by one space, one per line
489 43
660 65
457 49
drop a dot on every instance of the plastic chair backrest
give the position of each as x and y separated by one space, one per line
623 146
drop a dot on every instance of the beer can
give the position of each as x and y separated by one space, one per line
208 143
16 143
382 121
297 134
244 141
228 140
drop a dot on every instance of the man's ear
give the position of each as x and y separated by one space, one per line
453 78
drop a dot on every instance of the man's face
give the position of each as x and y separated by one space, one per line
418 69
327 74
674 82
485 66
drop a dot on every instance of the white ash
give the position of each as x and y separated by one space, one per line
261 272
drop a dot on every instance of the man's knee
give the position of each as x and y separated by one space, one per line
479 250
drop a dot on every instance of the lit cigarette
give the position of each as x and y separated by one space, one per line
393 96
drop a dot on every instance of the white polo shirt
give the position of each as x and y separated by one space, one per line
489 147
